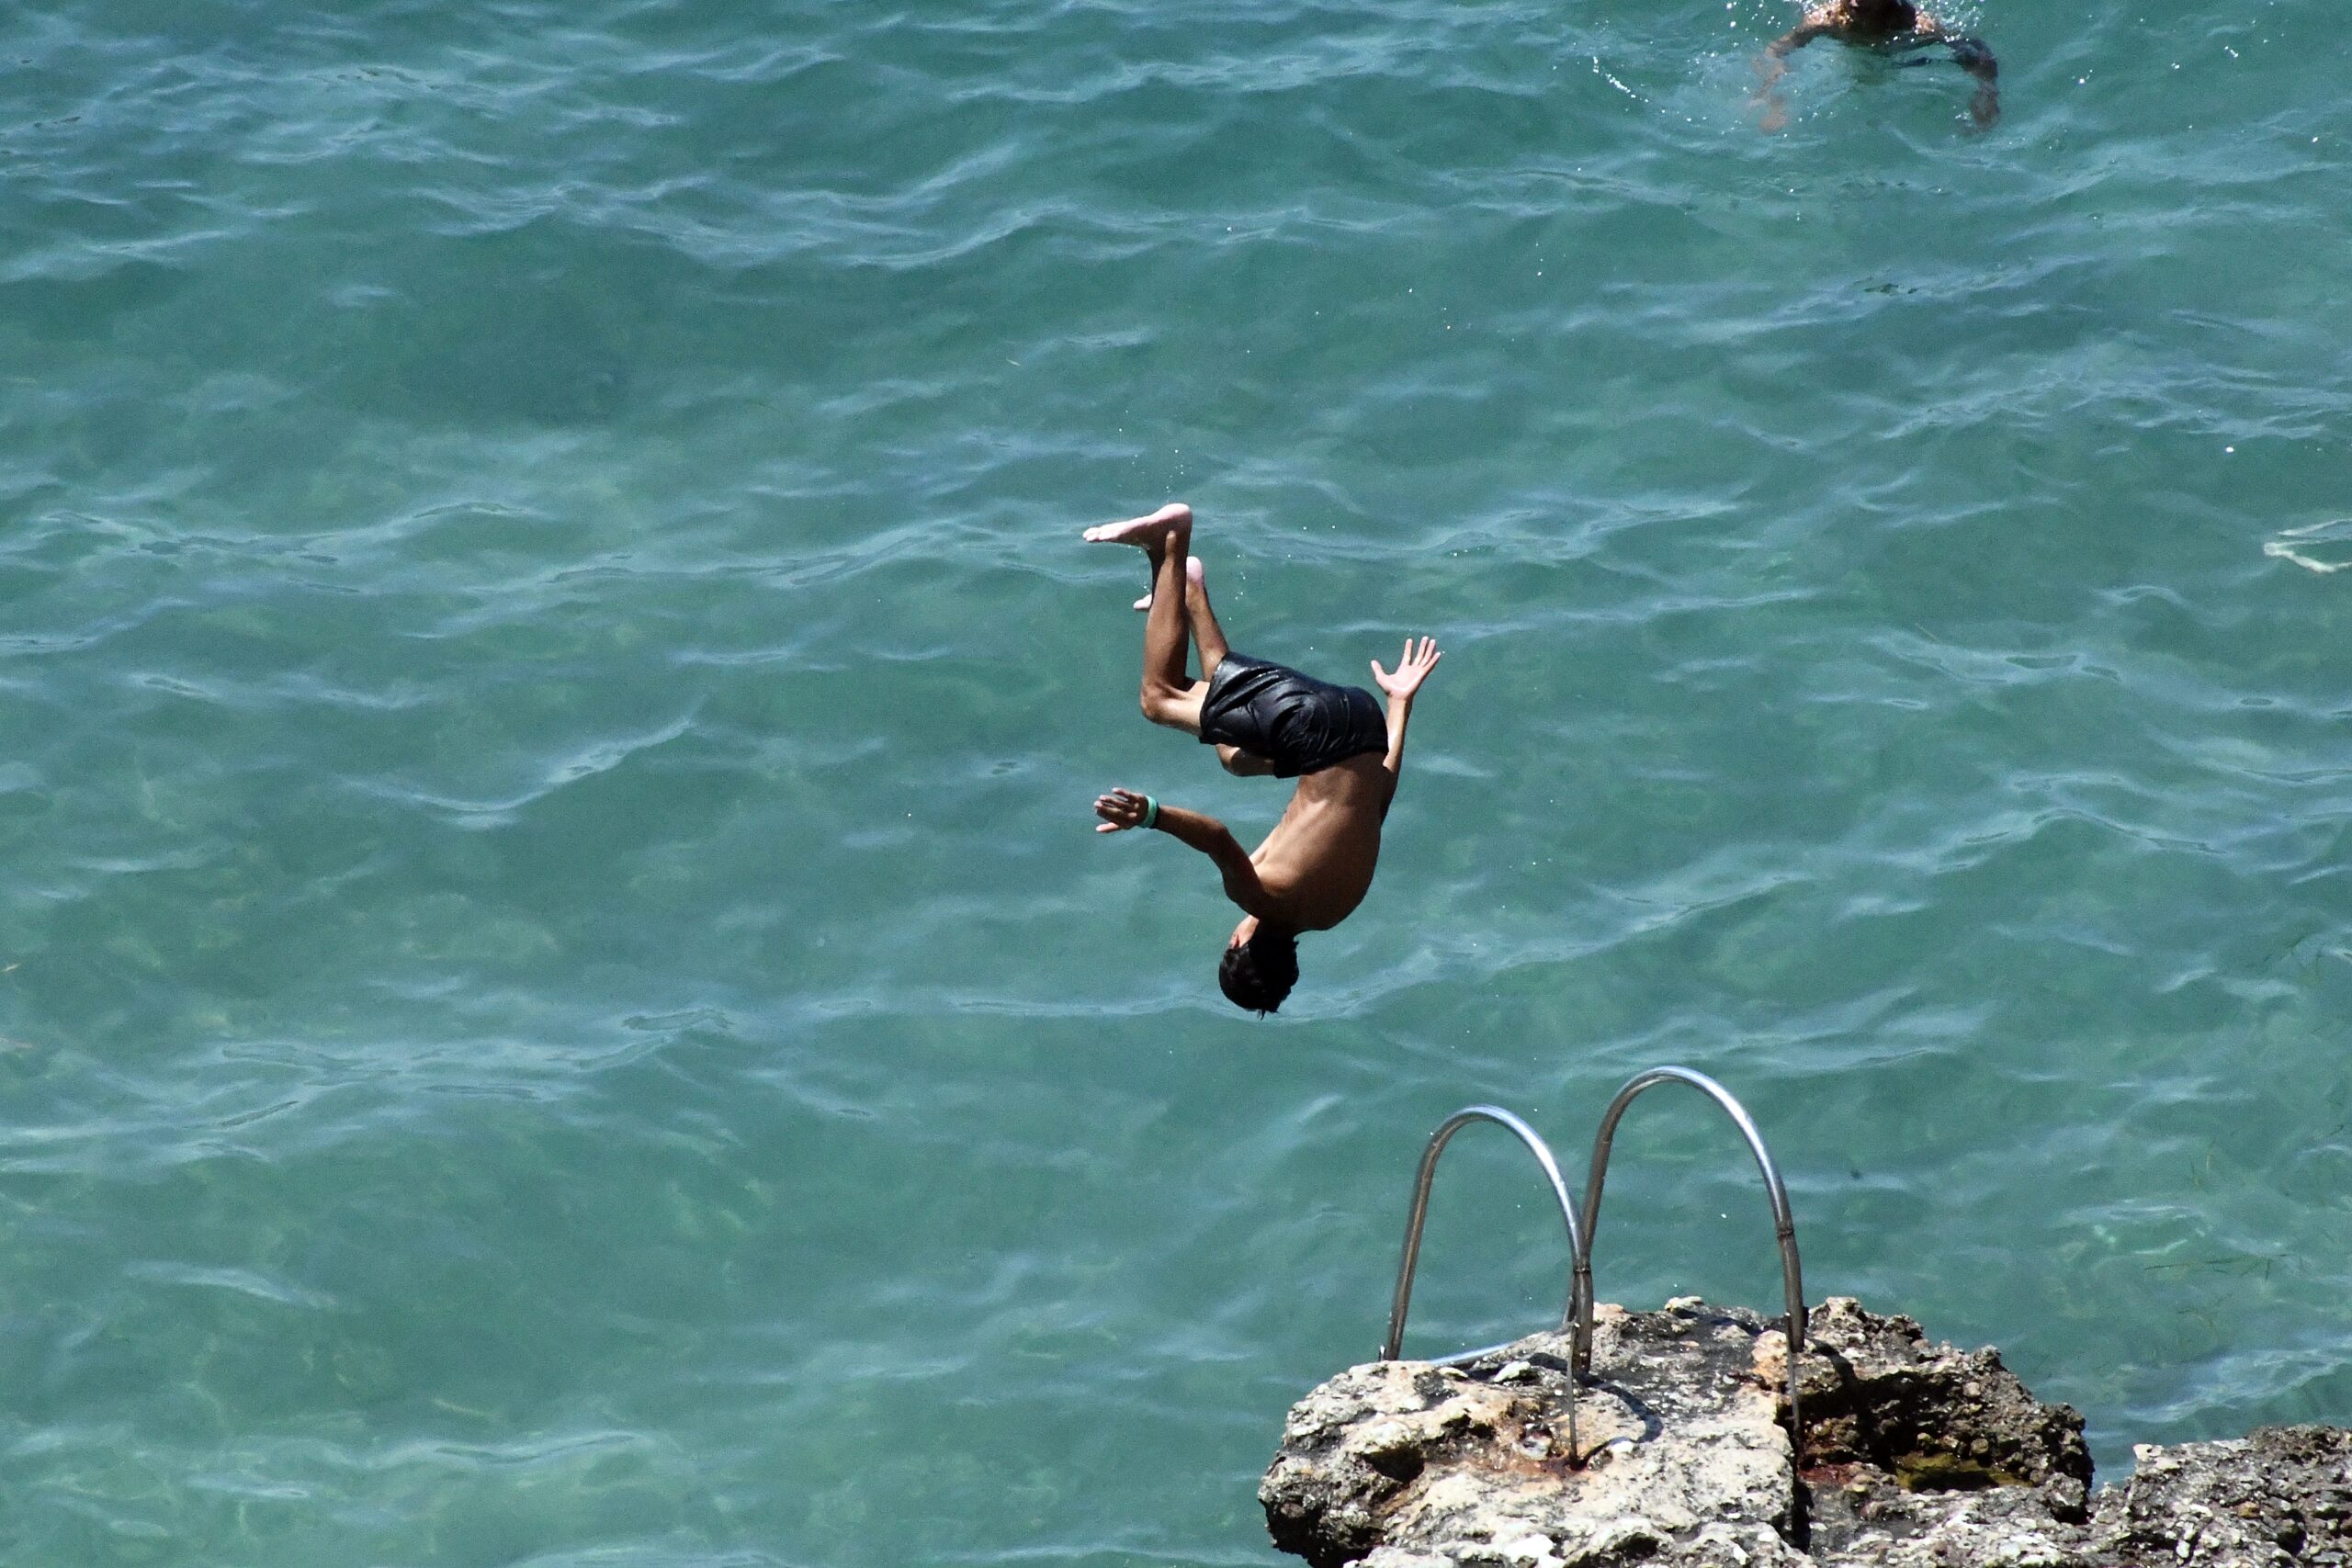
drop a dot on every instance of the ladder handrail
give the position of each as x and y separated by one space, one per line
1580 1300
1401 1302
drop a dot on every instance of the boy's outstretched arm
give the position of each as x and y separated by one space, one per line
1412 667
1775 64
1124 808
1795 38
1973 56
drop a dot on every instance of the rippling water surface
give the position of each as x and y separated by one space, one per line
559 1004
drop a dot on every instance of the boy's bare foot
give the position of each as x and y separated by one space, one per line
1193 574
1143 531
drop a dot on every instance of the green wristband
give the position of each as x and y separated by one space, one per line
1151 812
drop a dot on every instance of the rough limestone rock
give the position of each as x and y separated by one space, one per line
2281 1496
1917 1455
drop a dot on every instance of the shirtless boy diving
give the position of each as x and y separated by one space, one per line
1891 27
1314 867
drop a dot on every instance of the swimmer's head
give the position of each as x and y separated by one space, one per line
1890 13
1260 965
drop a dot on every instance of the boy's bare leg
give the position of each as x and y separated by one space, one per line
1210 638
1170 695
1207 636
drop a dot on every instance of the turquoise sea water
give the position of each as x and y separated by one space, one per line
559 1004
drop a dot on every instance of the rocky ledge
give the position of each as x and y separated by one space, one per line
1917 1455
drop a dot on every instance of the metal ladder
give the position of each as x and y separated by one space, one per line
1576 1319
1402 1300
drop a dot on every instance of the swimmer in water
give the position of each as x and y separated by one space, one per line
1891 27
1316 866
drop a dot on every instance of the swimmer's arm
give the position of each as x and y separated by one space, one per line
1795 38
1124 808
1973 56
1412 667
1212 839
1775 65
1400 714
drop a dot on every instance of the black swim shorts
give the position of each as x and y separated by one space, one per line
1299 724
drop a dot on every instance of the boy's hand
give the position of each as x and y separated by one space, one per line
1412 669
1120 809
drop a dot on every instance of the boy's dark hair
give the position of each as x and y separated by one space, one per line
1260 973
